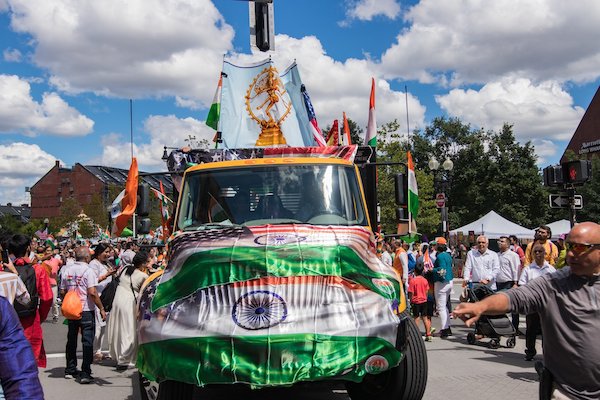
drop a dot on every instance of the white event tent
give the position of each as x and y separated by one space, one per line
560 227
493 225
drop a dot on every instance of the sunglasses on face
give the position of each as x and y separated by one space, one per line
580 248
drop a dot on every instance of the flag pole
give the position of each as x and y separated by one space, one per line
407 123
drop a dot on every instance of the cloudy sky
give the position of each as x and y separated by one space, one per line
69 67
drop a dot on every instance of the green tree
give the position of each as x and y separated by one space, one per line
69 211
356 132
96 210
590 192
391 148
491 172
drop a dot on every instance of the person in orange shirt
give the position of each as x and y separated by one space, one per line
400 263
542 236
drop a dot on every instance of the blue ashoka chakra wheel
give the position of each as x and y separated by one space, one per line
259 309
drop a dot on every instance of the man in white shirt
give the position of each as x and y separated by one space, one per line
79 277
482 265
508 274
537 268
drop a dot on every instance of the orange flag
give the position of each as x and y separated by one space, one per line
347 138
333 135
123 207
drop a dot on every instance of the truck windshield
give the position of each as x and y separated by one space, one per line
259 195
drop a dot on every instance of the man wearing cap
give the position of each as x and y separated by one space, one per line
542 236
482 265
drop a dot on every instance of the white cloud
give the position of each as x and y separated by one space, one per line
20 113
12 55
132 48
366 10
474 41
545 150
163 131
538 112
335 87
21 165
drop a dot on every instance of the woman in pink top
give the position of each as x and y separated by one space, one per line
53 264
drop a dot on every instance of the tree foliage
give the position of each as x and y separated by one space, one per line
491 172
96 210
391 148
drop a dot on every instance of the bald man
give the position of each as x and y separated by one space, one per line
568 302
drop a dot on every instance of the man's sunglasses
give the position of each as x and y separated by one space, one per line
580 248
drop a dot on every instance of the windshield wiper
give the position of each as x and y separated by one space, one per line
207 226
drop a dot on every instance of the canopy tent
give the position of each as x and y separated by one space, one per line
493 225
560 227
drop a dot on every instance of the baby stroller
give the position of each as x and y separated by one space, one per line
492 326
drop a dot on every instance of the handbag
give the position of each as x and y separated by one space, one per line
71 306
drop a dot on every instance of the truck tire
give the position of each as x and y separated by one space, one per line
168 390
407 381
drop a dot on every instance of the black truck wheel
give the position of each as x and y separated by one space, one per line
169 390
407 381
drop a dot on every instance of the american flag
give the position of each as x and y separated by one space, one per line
312 118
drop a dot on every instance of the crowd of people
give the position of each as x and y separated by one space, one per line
555 285
37 275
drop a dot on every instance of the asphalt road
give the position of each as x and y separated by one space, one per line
457 370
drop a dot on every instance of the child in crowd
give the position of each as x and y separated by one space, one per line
421 307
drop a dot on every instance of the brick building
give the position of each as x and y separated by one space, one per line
585 142
82 182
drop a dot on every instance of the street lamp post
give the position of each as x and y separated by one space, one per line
441 186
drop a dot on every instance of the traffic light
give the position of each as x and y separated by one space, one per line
261 25
143 200
401 188
401 191
143 225
143 208
577 172
553 175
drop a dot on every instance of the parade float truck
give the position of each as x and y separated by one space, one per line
273 279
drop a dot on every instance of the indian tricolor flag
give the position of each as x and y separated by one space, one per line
212 119
413 191
269 306
371 136
123 206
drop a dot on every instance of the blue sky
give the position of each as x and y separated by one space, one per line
69 67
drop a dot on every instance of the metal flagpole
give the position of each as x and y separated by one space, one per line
407 123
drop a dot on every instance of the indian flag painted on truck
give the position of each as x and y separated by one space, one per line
270 305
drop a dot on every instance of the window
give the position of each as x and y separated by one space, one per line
314 194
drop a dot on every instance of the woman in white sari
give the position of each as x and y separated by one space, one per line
122 332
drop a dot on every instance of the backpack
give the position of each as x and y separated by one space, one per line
108 294
71 306
412 262
27 275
